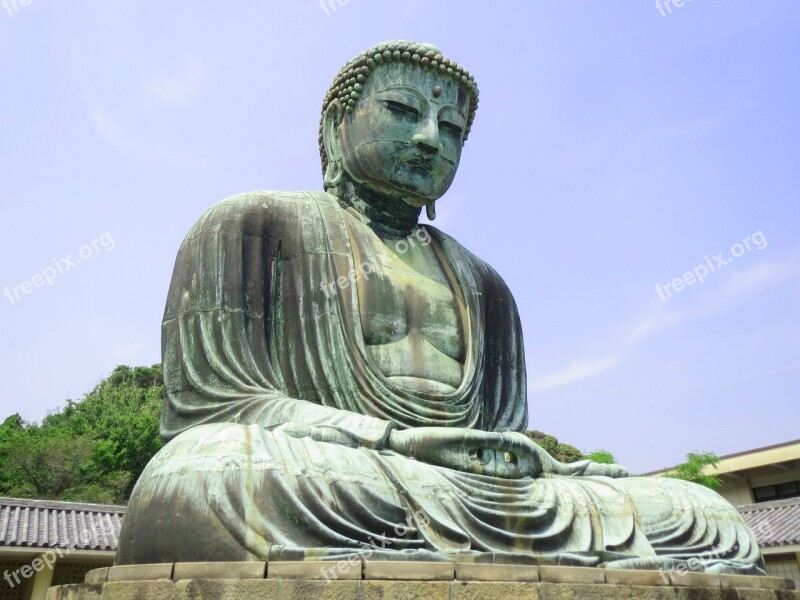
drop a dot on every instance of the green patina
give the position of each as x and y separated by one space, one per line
335 371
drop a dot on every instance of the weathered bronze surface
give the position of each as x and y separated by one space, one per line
343 379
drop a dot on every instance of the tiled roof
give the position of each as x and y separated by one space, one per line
775 523
51 524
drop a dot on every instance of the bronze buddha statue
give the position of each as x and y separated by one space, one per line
340 376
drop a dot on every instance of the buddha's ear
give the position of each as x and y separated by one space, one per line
334 171
334 115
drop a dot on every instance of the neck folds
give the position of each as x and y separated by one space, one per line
384 215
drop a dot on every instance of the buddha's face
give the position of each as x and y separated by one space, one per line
405 134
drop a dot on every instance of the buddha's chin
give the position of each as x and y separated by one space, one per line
416 195
415 201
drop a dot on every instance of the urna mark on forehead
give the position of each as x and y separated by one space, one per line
347 85
351 79
431 85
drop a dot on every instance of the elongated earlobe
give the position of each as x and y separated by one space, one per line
333 174
430 210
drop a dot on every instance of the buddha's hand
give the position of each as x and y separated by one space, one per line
471 451
580 468
588 468
332 435
550 465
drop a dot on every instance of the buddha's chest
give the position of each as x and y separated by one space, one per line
406 298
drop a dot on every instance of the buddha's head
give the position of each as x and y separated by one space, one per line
395 120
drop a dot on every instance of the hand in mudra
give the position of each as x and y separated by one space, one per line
581 468
510 455
590 468
331 435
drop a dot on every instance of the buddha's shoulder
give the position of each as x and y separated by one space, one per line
485 274
475 262
267 206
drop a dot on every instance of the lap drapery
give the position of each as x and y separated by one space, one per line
243 492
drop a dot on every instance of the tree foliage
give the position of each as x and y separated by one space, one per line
694 467
566 453
602 456
561 452
90 451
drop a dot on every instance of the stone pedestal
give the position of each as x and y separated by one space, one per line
376 580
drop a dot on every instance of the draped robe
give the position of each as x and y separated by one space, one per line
262 327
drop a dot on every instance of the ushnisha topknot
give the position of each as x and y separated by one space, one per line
350 80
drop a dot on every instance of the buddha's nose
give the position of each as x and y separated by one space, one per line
428 137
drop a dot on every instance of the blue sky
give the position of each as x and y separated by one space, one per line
615 148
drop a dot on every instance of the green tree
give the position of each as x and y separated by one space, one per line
694 467
561 452
602 456
123 423
567 453
11 432
91 451
54 465
122 415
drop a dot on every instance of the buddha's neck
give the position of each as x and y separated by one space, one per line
384 215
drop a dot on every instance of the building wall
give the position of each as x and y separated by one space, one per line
741 474
11 591
761 480
736 490
745 461
15 586
67 572
784 565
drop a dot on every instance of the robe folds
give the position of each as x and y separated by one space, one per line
262 327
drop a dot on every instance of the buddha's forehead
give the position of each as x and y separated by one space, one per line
433 85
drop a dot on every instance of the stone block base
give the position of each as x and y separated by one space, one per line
378 580
299 589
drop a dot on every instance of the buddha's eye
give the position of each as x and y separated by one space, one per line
451 128
402 110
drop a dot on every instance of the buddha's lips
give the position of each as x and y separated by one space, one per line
418 161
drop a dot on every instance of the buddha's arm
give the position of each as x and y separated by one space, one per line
198 395
196 392
233 351
589 468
